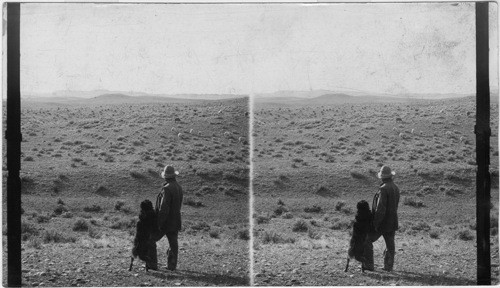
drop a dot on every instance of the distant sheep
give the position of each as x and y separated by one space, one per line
412 131
227 133
220 111
401 135
442 110
393 128
241 139
448 133
180 135
173 129
461 139
191 131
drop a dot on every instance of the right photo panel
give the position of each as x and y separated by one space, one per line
363 145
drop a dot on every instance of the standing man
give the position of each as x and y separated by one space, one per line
168 205
385 219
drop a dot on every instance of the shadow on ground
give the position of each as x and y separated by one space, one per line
212 279
424 279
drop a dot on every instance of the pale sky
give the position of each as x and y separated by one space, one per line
252 48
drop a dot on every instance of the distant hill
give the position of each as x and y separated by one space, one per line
122 98
336 97
331 98
97 93
344 98
115 98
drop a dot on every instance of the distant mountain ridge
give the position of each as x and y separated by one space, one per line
97 93
357 93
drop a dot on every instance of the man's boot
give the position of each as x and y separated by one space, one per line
388 260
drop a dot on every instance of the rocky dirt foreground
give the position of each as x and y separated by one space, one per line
418 262
105 262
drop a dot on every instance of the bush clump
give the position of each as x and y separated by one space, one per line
60 209
434 234
28 230
55 236
413 202
313 209
122 224
214 233
300 226
243 234
193 202
421 226
261 219
339 205
465 235
93 208
276 238
280 210
200 225
80 225
340 224
119 204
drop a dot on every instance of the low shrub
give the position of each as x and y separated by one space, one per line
261 219
280 210
123 223
357 175
119 204
341 224
313 209
453 191
287 215
243 234
465 235
434 234
214 233
93 208
137 175
339 205
313 234
276 238
42 218
60 209
80 225
192 202
413 202
421 226
200 225
300 226
28 230
67 215
55 236
35 243
94 233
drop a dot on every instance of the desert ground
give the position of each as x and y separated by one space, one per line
315 159
86 166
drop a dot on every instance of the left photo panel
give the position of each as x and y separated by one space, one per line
134 157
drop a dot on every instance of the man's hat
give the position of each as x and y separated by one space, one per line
169 172
385 172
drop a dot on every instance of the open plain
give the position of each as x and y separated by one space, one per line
88 163
315 159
